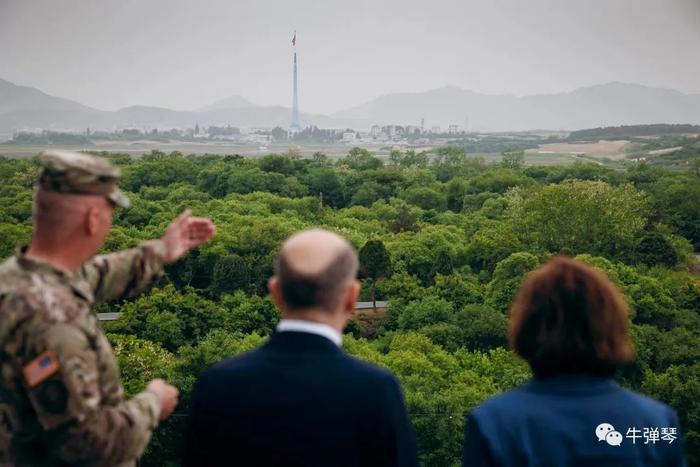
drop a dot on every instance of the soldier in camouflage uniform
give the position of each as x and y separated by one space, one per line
61 399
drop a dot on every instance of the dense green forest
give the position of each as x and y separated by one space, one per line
460 235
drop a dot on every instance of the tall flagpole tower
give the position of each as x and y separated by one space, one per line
296 126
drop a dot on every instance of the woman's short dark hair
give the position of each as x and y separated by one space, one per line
568 317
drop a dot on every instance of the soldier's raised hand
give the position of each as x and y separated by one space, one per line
184 233
167 394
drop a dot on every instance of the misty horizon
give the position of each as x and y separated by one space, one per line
112 55
241 101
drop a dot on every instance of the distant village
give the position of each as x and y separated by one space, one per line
389 135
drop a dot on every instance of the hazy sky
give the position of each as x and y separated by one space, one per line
113 53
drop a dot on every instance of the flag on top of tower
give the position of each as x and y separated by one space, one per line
294 39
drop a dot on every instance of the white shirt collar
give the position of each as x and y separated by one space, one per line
319 329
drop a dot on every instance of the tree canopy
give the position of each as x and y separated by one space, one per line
446 238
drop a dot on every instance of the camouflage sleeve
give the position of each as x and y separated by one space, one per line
126 273
79 426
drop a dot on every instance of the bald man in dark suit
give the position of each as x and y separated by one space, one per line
299 400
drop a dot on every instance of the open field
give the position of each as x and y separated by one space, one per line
661 152
332 151
535 158
614 150
141 147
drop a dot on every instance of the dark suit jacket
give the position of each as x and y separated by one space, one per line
298 400
553 421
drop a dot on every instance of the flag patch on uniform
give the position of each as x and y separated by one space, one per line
40 368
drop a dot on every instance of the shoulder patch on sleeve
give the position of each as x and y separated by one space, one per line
41 368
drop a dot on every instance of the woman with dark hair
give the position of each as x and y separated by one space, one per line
570 323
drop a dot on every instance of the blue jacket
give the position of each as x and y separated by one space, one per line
573 421
298 401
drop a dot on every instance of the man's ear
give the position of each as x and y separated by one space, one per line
351 296
273 285
92 221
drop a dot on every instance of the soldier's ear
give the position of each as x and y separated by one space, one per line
92 221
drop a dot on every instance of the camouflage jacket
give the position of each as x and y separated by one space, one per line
61 398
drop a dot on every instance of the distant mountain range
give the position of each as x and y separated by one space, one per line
26 108
595 106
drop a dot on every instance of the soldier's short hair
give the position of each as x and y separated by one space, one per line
322 289
569 318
